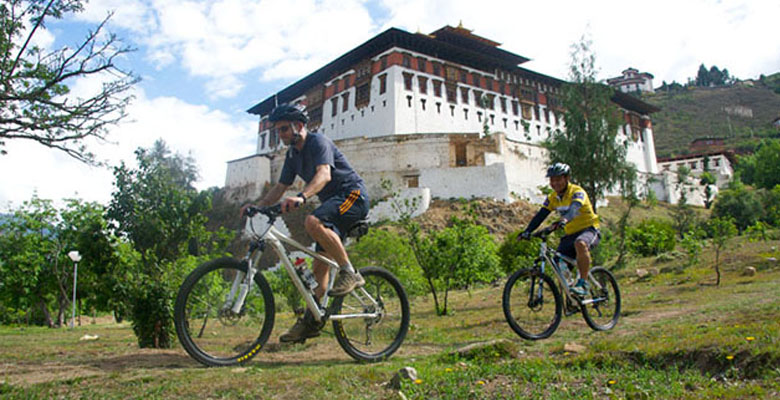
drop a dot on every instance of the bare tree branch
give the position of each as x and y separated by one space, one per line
36 103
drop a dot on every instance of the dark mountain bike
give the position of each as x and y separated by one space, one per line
534 304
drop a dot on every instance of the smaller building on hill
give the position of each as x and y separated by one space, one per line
718 163
632 80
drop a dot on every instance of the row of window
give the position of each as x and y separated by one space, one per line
691 164
481 99
461 75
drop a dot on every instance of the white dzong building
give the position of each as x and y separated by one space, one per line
413 109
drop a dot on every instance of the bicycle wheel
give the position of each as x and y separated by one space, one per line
375 338
532 304
602 310
207 327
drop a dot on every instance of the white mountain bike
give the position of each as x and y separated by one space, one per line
224 311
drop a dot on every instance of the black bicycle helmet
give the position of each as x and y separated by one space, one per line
558 169
288 112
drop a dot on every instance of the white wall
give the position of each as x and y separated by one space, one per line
467 182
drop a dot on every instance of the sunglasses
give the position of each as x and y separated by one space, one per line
282 129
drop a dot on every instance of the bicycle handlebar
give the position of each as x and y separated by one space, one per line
270 211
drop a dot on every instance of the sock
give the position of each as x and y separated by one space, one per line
348 267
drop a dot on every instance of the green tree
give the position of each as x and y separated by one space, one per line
592 122
703 78
770 202
707 180
683 216
762 168
692 244
35 100
739 203
457 256
31 264
156 207
721 230
83 227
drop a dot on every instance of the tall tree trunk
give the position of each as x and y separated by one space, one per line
717 267
46 314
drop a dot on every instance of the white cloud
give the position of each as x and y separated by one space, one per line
211 136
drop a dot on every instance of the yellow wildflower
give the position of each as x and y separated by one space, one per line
611 382
418 381
729 357
750 338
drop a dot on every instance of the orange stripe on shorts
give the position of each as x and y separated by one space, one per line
347 204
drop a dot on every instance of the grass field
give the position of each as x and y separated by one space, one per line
679 337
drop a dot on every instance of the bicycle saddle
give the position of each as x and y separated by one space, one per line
358 229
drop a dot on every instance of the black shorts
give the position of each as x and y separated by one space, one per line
590 235
340 211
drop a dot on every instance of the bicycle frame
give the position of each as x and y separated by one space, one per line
277 240
547 255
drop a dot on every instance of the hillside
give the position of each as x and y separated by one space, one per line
740 114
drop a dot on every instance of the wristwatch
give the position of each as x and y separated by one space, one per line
302 196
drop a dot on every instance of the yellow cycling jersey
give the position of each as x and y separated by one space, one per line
586 217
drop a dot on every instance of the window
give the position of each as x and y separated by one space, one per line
478 98
315 115
407 61
452 93
436 88
717 162
693 164
273 140
382 83
383 62
476 80
422 102
515 108
437 69
491 101
536 113
408 80
547 115
503 104
463 76
421 64
262 141
423 81
334 106
362 95
412 181
464 95
489 83
345 102
527 111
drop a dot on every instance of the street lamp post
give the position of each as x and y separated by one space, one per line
76 257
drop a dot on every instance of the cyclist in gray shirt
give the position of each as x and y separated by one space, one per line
341 191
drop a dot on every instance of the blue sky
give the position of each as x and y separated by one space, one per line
203 63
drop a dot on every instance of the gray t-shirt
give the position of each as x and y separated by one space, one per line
318 150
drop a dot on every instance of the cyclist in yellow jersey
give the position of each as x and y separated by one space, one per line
580 222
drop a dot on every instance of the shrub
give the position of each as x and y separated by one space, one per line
651 237
391 251
516 254
770 201
692 243
739 204
607 249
